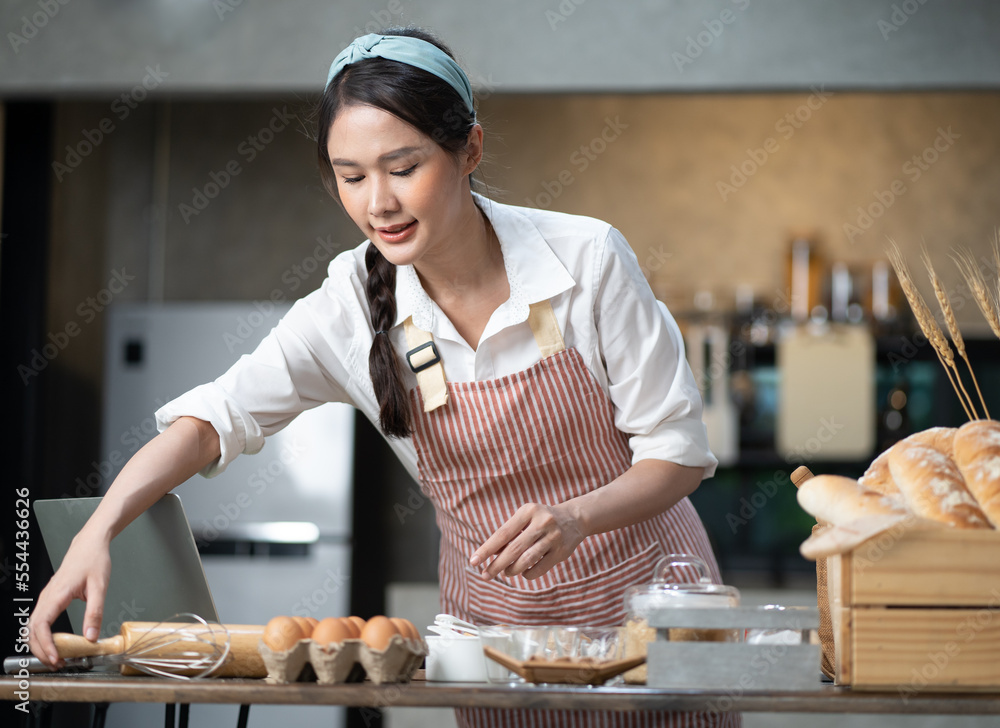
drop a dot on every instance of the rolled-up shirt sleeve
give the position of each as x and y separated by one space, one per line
293 369
652 388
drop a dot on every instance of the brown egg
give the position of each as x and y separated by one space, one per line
351 627
406 628
305 625
281 633
357 622
331 631
414 632
378 631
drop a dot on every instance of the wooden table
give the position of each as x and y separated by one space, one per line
112 688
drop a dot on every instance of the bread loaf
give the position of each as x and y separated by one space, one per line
940 438
839 500
977 455
933 487
878 477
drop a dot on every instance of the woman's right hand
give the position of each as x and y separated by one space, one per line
83 574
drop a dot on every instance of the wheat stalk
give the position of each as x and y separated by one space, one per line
996 259
925 320
956 333
989 304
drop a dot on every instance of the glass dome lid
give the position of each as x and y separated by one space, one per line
680 580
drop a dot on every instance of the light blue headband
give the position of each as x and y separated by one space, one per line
411 51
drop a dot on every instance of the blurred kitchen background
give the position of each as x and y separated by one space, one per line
757 154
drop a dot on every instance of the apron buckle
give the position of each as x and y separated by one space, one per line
419 359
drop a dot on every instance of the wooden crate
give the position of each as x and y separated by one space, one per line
917 610
733 666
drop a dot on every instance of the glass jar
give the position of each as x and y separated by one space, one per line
667 590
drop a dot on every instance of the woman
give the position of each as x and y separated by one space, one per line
515 359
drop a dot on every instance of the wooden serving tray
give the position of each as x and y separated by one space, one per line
553 671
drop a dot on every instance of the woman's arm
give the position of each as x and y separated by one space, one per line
182 450
656 403
537 536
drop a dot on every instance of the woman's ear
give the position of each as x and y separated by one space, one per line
473 152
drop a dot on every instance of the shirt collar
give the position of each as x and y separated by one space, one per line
533 271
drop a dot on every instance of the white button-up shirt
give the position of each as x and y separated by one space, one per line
319 351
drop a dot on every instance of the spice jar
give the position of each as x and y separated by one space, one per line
667 591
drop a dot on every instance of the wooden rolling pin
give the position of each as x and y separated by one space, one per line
800 475
150 640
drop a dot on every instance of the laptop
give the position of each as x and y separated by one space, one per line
156 571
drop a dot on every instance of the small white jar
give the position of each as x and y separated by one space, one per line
454 659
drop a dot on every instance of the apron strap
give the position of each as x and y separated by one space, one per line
542 320
425 362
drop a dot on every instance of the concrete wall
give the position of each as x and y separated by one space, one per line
709 188
256 46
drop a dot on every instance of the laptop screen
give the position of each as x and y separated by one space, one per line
156 571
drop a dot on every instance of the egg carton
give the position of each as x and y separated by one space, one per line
350 660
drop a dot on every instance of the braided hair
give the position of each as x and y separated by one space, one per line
433 107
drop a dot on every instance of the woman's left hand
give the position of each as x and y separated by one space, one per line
532 541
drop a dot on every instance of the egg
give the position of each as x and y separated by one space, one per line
406 628
282 633
414 632
305 625
378 631
331 630
357 622
351 627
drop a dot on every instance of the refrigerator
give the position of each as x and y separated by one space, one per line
274 529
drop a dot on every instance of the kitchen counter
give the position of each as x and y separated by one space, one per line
110 687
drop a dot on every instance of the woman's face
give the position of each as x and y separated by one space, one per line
404 192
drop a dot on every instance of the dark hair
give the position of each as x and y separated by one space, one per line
433 107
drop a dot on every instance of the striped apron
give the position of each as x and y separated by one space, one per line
543 435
